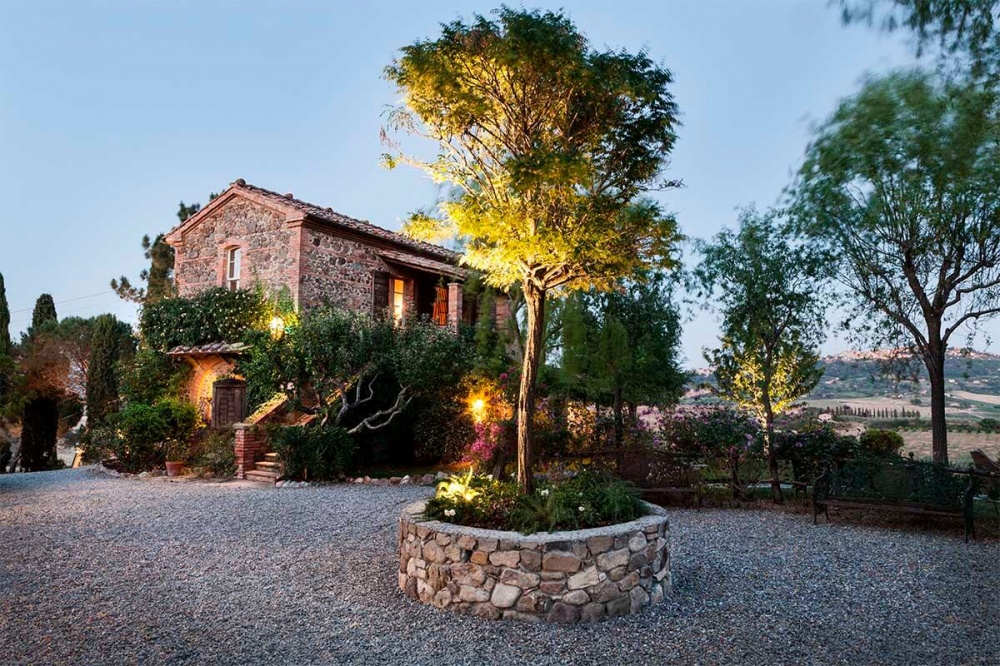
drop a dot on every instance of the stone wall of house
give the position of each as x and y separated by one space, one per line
267 242
564 577
336 270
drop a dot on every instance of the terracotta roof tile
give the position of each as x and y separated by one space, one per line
422 263
208 349
328 215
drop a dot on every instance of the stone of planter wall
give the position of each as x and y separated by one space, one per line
565 577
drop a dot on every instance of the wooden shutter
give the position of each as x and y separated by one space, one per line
380 293
440 315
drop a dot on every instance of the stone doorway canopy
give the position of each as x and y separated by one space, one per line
209 362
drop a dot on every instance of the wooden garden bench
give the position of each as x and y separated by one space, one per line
898 485
986 466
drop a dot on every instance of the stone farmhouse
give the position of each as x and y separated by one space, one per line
249 235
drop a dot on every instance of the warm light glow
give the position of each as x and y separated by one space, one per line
458 487
398 300
478 408
277 327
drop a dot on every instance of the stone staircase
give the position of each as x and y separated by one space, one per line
267 470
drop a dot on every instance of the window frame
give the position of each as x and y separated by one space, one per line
397 299
234 259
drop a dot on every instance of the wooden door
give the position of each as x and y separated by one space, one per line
229 402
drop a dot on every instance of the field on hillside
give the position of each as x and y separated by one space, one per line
961 405
959 444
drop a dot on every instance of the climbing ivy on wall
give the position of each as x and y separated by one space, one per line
216 315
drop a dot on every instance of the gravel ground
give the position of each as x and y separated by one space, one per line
99 570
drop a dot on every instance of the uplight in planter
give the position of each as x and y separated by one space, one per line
277 327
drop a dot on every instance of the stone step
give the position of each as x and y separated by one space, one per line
271 457
262 476
268 466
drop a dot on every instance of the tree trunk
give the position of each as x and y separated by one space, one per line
772 459
934 360
534 301
40 423
619 412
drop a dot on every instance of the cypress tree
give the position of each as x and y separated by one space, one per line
44 312
4 321
6 363
110 340
39 426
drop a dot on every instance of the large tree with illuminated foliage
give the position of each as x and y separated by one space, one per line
547 146
767 287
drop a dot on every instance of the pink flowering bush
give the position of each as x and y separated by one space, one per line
487 445
727 440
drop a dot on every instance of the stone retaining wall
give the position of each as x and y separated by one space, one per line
564 577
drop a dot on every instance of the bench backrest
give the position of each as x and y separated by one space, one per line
897 481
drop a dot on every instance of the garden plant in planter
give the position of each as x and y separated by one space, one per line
477 547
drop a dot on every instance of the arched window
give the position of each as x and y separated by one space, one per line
234 258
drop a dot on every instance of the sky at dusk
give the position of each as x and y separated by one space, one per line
113 111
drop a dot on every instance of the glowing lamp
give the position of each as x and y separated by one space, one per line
478 407
277 327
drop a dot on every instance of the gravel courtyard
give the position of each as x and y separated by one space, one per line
100 570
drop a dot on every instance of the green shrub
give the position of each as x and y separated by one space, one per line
590 499
151 376
212 454
727 440
880 443
442 430
812 449
181 418
137 434
142 436
989 425
314 453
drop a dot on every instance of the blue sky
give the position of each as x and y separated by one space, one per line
112 111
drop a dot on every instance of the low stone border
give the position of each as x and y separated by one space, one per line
418 480
564 577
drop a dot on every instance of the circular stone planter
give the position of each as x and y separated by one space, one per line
565 577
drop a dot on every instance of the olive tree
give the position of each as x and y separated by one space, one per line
355 371
768 290
900 186
547 145
966 29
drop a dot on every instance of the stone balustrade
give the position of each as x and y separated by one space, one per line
564 577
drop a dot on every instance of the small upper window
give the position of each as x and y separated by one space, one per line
233 261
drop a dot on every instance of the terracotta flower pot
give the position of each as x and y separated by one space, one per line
174 468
